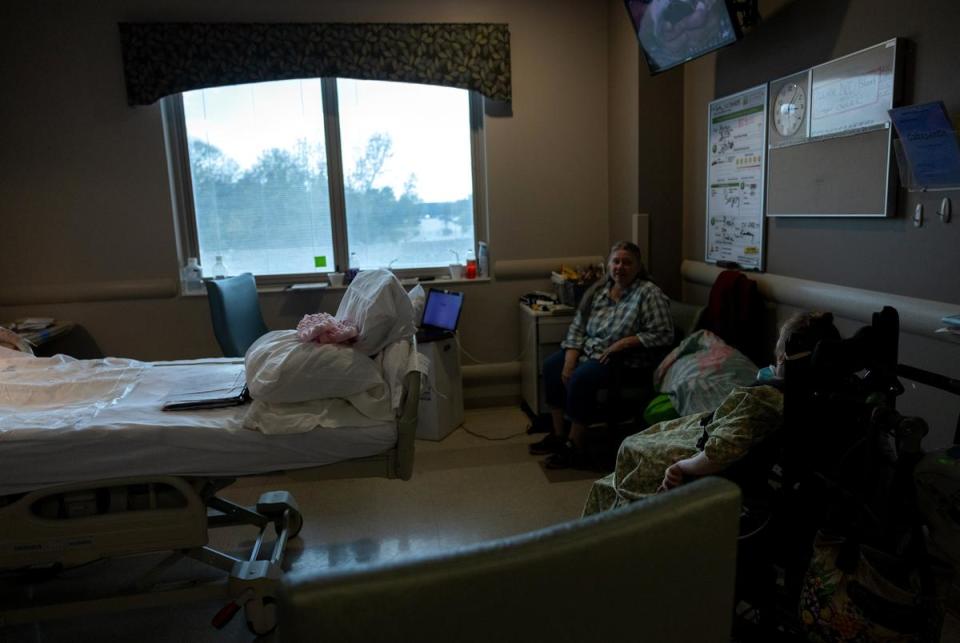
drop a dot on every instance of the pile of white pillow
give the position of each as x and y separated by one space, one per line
284 372
280 368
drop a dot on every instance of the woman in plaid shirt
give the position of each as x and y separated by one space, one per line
627 312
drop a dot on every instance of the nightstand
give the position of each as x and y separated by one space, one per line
540 337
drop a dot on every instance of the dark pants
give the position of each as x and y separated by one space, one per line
578 398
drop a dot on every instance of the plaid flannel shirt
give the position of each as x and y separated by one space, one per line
643 310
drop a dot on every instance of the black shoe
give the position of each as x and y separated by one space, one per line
568 457
549 444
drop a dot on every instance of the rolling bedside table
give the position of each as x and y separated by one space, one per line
540 337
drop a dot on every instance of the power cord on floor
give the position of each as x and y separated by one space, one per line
492 439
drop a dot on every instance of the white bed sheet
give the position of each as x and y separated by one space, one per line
132 436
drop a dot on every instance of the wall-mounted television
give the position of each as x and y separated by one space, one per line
671 32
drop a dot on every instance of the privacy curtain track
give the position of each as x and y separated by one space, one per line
161 59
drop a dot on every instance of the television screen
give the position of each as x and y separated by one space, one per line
671 32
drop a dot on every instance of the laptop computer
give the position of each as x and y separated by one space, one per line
441 314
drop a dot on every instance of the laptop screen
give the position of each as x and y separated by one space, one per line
442 309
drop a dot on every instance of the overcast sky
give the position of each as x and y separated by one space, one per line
429 127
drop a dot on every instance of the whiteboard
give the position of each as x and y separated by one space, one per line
736 162
853 93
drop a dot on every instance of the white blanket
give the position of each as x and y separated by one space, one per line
112 426
58 392
62 393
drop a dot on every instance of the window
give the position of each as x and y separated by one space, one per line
288 178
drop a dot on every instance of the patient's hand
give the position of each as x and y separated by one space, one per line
672 477
697 465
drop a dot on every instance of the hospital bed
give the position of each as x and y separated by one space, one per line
93 469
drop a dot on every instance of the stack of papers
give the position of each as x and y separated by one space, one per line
214 398
32 323
929 144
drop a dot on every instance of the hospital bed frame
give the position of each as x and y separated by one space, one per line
73 524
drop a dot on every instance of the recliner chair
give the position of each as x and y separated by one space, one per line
235 313
621 404
660 570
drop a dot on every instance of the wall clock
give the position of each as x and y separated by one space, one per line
789 114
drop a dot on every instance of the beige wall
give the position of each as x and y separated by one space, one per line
645 133
83 180
623 60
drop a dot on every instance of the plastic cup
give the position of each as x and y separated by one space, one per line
336 279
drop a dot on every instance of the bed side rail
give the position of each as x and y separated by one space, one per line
394 463
407 426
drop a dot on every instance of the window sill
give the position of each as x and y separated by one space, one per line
323 286
314 287
407 283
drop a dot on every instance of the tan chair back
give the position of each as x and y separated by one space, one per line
659 571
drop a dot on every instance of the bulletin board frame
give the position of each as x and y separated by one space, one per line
844 168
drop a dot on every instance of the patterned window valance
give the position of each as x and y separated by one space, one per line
160 59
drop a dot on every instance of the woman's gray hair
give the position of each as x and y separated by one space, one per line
803 331
634 250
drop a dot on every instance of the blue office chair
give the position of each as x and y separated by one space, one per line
235 312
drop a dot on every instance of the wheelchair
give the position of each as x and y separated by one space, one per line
842 464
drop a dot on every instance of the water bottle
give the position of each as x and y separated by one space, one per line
471 272
219 270
483 259
191 277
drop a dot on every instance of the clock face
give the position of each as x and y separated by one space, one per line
789 109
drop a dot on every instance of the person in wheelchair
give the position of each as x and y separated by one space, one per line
670 453
625 316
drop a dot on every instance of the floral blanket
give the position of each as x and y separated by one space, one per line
700 372
746 416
